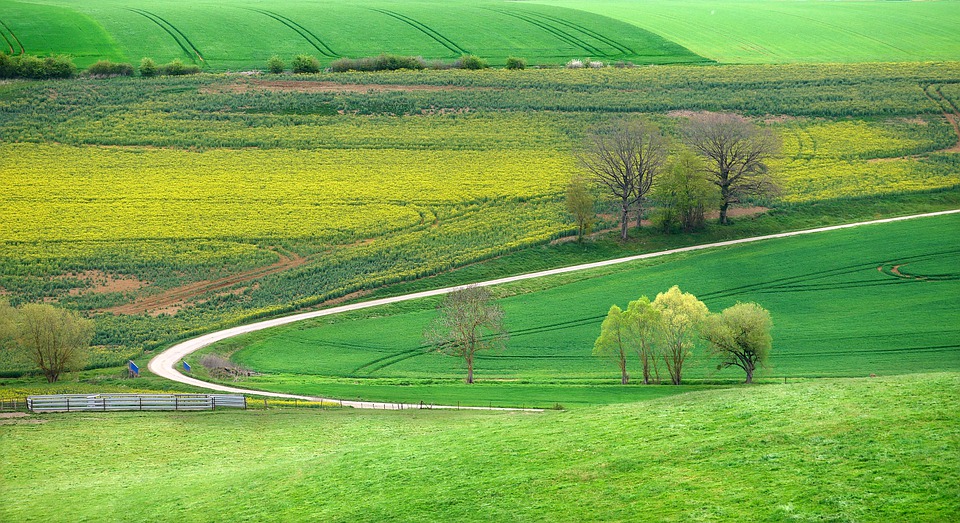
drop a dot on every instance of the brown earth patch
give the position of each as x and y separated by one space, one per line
100 282
172 300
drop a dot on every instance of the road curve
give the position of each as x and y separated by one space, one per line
164 363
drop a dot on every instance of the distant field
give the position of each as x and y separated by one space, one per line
871 450
242 34
762 31
206 201
875 300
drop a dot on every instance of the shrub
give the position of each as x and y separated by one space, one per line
384 62
148 68
58 67
28 66
624 65
471 62
575 64
305 64
275 65
108 68
595 64
7 67
178 68
516 63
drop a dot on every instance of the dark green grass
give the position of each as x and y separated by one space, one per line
881 449
838 309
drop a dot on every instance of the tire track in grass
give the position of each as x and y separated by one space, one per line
589 32
187 46
13 51
559 33
425 29
307 35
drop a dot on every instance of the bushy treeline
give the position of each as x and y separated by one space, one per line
306 64
36 68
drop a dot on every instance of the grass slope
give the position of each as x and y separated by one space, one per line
882 449
242 34
873 300
760 31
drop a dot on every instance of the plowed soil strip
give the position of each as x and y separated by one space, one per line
180 295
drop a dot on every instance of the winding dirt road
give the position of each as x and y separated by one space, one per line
163 364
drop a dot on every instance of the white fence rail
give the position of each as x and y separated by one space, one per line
110 402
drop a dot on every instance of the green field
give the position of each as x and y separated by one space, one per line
873 300
240 35
875 449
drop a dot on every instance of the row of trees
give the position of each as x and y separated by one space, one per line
664 332
629 159
54 340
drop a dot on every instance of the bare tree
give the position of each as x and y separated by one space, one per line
624 159
56 340
580 205
735 151
469 322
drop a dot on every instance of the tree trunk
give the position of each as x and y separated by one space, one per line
624 377
723 213
749 370
639 216
469 370
624 220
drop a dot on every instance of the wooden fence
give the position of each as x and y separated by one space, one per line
110 402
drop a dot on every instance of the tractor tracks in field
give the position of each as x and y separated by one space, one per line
178 36
307 34
425 29
564 30
16 47
950 110
163 364
172 299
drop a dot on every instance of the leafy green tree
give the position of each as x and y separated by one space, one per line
56 340
469 322
614 341
516 64
8 325
276 65
735 152
740 336
684 193
644 322
681 317
580 205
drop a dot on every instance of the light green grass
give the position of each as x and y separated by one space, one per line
838 310
242 34
762 31
881 449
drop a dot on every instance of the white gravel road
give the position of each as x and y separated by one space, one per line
164 363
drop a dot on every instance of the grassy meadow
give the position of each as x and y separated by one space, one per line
872 449
874 300
243 34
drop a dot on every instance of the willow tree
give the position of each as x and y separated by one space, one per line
740 336
615 340
644 322
469 322
735 154
623 159
681 319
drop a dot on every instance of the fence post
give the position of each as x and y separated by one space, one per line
264 402
244 403
176 402
68 403
213 403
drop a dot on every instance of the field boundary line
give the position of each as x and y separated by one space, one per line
163 364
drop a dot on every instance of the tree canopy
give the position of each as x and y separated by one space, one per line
468 322
740 336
